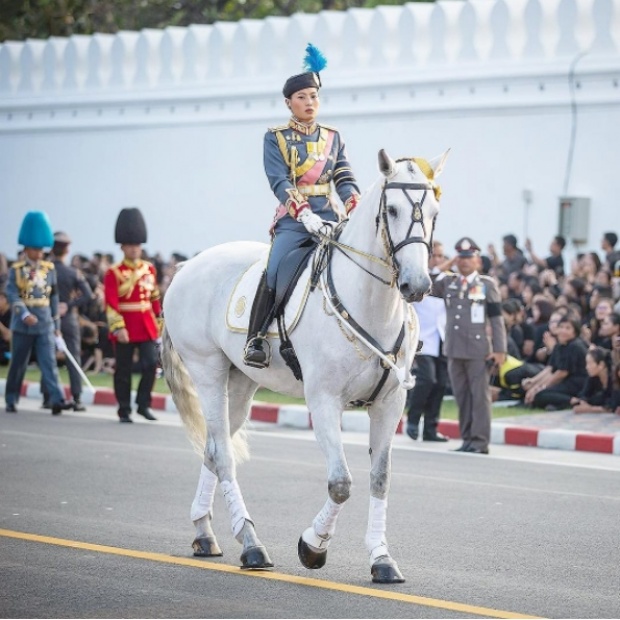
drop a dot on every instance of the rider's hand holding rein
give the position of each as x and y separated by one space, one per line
313 223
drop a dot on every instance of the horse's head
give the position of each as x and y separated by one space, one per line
408 208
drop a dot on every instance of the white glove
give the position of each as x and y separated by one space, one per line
61 345
313 223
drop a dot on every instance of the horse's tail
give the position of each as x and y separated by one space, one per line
187 403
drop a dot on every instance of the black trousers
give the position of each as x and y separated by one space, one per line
425 398
122 374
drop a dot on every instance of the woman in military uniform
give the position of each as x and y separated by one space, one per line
303 160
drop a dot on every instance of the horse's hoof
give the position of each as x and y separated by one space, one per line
256 558
309 557
385 570
206 547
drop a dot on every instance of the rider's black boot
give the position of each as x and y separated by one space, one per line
260 319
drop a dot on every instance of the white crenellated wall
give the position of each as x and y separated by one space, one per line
172 120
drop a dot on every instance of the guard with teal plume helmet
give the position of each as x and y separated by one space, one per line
306 163
36 231
32 291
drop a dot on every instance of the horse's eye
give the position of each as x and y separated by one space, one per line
392 212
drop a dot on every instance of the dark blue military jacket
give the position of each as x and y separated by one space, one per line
32 289
301 163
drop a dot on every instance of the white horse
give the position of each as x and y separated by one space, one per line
347 345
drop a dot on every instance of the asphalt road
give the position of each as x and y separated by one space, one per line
94 523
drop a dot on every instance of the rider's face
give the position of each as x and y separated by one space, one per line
304 104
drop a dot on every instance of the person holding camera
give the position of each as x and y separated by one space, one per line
473 306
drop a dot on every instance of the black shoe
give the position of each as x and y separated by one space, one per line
11 409
146 413
64 405
78 406
125 419
46 405
473 450
412 431
254 354
463 448
435 437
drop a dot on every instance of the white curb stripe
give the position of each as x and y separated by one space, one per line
557 438
295 416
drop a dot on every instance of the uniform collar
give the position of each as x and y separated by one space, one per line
471 277
302 127
134 264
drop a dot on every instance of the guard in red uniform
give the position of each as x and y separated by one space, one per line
133 308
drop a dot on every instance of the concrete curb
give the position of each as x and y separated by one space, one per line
298 417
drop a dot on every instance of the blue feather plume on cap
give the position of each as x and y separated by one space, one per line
314 60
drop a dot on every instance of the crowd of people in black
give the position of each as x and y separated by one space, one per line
562 321
563 326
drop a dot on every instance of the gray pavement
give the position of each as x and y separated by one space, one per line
523 531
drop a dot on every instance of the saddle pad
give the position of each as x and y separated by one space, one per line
242 296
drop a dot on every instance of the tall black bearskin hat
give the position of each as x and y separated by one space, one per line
130 227
314 62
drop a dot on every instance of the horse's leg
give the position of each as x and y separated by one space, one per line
313 543
384 417
205 543
213 382
241 389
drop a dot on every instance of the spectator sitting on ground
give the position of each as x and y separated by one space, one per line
549 337
555 261
609 331
565 374
595 397
590 332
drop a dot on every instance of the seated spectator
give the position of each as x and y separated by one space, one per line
543 354
555 261
5 329
614 403
531 288
542 309
590 332
595 397
609 331
564 376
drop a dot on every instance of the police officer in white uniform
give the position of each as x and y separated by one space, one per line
473 310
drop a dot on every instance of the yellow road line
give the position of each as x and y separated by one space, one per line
302 581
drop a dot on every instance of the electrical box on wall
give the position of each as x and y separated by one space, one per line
574 223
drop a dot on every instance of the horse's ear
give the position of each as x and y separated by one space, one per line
386 164
438 163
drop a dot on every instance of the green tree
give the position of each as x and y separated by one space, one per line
22 19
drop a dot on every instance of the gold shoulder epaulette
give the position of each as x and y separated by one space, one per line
328 127
19 263
47 264
278 128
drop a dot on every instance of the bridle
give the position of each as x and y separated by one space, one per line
417 217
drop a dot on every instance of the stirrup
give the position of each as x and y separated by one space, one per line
257 363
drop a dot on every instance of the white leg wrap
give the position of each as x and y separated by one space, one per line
323 526
325 522
375 534
236 506
203 502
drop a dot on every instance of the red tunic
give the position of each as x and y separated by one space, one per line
133 300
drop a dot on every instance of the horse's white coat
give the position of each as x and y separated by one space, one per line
200 352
